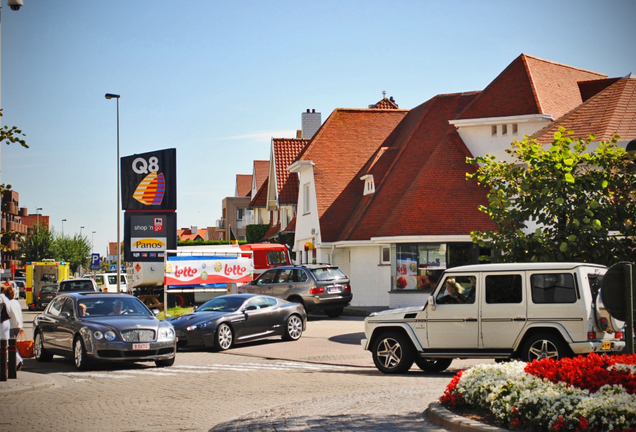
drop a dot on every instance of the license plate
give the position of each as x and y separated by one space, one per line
333 290
141 346
606 346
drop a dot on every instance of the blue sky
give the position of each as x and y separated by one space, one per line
217 79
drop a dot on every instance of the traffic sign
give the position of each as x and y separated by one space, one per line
95 261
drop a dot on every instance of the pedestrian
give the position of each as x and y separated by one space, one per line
14 323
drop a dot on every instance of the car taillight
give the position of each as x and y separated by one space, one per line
106 289
591 335
317 290
619 335
347 287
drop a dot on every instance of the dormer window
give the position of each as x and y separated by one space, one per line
369 186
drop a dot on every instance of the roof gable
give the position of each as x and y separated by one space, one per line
612 111
261 172
286 150
530 85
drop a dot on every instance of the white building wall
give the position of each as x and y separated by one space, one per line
370 281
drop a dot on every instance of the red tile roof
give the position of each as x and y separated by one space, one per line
291 226
260 199
261 172
339 150
385 104
420 179
530 85
243 184
612 111
187 234
286 150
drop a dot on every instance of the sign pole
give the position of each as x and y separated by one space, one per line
629 309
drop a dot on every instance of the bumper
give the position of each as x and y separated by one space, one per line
123 351
597 347
194 339
325 303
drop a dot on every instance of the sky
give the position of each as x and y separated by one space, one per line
218 79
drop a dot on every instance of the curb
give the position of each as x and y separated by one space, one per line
31 382
453 422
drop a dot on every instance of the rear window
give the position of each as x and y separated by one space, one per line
328 274
77 286
49 289
553 288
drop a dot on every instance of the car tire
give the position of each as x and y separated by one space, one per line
41 354
544 345
334 313
165 363
223 338
393 353
433 365
293 328
80 358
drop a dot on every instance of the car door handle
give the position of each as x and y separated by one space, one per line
519 319
471 319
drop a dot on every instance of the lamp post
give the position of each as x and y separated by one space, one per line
92 238
63 220
116 96
81 228
37 231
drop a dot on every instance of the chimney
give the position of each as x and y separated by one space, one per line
194 229
311 122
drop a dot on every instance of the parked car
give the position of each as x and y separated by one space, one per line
19 287
238 318
94 326
316 287
522 311
107 282
46 294
77 285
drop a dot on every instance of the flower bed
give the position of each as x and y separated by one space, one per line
593 393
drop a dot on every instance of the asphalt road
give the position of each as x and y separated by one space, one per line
324 381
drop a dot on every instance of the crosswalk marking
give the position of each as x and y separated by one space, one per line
211 368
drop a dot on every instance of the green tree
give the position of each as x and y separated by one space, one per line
74 250
36 245
582 203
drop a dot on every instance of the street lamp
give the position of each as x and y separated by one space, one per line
92 244
116 96
37 230
81 228
63 220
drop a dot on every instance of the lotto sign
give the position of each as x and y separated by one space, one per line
149 181
206 270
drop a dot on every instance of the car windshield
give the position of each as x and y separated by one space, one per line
49 289
111 306
222 304
328 273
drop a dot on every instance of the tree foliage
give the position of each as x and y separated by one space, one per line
74 250
581 203
37 244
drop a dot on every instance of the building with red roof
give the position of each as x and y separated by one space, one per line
383 192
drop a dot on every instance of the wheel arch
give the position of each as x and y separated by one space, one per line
398 327
552 329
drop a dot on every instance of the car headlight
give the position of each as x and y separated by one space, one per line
166 334
197 326
98 335
110 335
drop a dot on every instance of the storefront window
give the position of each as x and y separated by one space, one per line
420 265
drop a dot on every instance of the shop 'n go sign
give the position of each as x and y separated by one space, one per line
190 270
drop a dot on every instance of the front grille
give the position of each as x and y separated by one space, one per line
138 335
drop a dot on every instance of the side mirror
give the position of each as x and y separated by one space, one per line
250 308
194 309
156 311
431 302
253 282
65 315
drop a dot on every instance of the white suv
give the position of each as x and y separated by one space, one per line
503 311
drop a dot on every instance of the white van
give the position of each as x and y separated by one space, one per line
503 311
107 282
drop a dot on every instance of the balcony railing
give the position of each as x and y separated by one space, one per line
220 223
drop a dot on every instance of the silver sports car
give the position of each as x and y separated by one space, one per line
90 326
238 318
